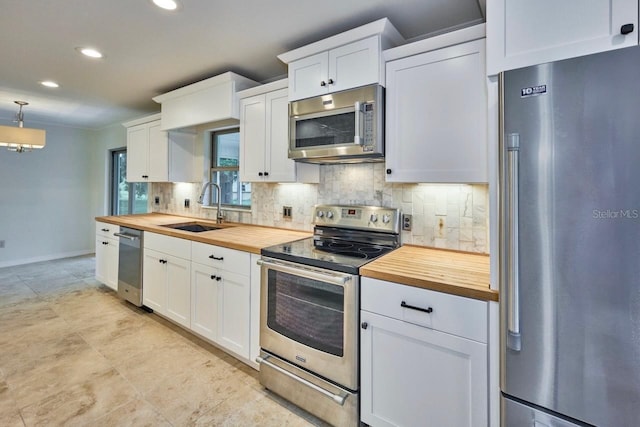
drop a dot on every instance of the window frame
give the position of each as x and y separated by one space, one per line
114 188
214 170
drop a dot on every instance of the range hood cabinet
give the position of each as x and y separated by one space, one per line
209 100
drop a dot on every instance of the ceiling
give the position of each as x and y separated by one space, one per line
149 51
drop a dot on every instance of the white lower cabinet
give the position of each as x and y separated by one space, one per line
221 296
419 368
107 247
166 277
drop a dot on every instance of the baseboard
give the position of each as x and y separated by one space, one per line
51 257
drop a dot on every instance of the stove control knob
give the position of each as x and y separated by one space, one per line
320 214
373 218
329 214
386 218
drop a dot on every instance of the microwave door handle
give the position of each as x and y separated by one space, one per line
357 138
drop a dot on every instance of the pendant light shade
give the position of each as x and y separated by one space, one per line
21 139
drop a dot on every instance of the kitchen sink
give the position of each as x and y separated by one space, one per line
194 227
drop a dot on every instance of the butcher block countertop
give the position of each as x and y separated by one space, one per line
459 273
243 237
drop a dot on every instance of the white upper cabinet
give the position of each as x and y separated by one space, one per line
264 138
436 116
154 155
522 33
346 67
344 61
206 101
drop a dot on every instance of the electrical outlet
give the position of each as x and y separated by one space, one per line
156 200
187 202
406 222
286 212
1 243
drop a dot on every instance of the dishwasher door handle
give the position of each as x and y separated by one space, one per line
126 236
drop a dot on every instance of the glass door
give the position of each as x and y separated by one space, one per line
126 197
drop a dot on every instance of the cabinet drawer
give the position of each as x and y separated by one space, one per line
222 258
104 229
452 314
180 248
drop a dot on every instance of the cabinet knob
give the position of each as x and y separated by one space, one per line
260 174
145 176
388 171
364 325
330 82
266 174
213 277
323 83
218 278
626 29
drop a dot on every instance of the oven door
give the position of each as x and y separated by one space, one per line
309 317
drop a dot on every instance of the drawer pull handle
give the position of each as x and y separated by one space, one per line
216 258
413 307
105 229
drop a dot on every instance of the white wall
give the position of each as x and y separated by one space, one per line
109 138
46 198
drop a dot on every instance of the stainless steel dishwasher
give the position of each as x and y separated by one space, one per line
130 265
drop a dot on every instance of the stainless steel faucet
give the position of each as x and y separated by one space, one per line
220 214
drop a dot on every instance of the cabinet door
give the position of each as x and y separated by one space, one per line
158 153
101 259
204 300
252 138
307 75
355 64
137 153
111 265
522 33
279 166
436 126
178 290
233 313
411 375
154 280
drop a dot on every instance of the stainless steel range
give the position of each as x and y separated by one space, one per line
310 304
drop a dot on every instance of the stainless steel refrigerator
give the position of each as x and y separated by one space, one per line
570 242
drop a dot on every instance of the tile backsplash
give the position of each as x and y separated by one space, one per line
451 216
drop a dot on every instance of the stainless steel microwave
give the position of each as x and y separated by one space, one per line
341 127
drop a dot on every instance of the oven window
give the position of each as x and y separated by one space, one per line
329 130
308 311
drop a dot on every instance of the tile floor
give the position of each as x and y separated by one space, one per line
73 354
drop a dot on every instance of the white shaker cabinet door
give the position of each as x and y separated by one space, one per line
158 153
204 300
356 64
252 138
233 313
308 76
154 281
522 33
178 290
436 116
416 376
137 153
279 166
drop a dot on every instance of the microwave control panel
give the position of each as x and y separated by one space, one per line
368 131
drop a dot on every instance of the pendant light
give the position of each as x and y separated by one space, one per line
21 139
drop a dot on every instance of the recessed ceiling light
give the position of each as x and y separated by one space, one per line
49 83
90 52
166 4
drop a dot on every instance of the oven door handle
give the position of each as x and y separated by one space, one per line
333 278
335 397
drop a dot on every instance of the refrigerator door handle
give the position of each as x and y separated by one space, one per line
513 299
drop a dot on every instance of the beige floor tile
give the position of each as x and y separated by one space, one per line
82 402
49 378
73 353
137 413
